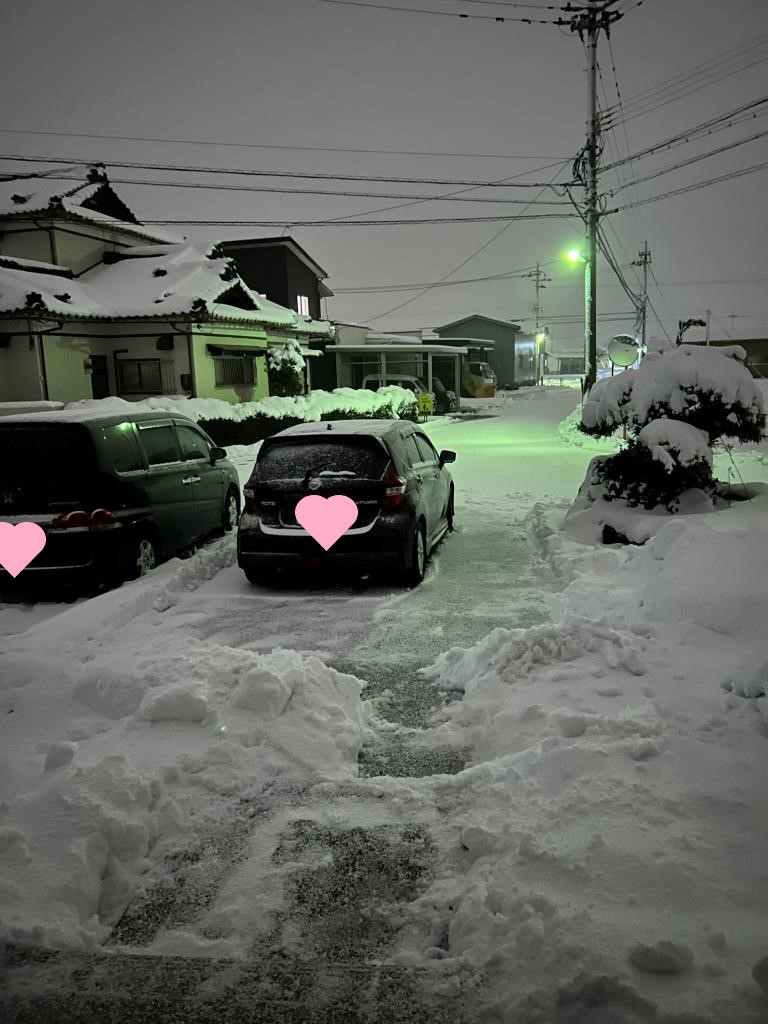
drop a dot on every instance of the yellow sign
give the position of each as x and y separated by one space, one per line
426 404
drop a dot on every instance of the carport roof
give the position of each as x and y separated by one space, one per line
437 350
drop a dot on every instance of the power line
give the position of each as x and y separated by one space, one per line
464 262
685 83
315 191
361 223
692 188
371 289
691 133
250 172
446 14
689 161
264 145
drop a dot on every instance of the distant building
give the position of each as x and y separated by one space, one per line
280 269
513 357
756 349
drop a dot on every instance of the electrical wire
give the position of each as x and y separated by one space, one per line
264 145
689 161
249 172
464 262
360 223
446 14
692 188
371 289
315 191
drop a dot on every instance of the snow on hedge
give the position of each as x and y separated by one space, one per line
667 382
674 443
388 403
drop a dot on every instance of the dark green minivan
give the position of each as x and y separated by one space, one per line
115 493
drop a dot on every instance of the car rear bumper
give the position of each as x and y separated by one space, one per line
71 556
381 546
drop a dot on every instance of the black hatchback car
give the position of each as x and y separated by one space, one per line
115 493
402 489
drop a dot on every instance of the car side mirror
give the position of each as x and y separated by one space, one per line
217 454
446 456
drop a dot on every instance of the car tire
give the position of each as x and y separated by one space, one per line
414 574
231 511
260 577
450 513
142 556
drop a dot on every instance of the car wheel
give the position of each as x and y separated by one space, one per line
415 574
260 577
231 512
449 513
142 556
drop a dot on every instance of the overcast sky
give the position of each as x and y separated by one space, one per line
505 99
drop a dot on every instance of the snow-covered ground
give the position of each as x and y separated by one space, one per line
607 845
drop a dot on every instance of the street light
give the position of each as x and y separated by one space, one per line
574 256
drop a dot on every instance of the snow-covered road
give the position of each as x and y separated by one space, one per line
601 858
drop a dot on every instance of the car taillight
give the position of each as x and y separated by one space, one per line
102 517
71 521
98 519
250 499
394 488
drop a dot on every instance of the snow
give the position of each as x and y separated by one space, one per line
666 380
674 443
603 853
162 281
387 401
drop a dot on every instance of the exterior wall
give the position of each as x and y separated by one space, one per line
264 270
78 246
25 241
351 334
20 378
274 271
203 371
502 359
301 281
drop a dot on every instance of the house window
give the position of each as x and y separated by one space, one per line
302 304
234 370
139 377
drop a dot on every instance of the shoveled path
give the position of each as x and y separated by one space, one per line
312 888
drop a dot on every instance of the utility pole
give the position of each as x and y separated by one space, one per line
539 279
643 260
709 317
588 23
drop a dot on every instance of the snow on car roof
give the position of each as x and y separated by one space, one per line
89 415
374 428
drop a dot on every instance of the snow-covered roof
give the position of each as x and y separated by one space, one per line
150 281
90 199
421 349
479 316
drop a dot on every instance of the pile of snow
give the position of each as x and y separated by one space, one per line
120 735
667 381
387 403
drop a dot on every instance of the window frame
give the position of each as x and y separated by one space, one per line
141 427
138 363
245 362
198 433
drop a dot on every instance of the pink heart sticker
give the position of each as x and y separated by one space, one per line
19 544
326 519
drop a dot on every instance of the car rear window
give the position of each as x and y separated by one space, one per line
291 460
44 465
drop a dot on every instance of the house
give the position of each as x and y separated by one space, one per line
94 303
513 357
756 349
280 269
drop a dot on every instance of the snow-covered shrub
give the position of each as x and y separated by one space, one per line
709 388
285 368
675 406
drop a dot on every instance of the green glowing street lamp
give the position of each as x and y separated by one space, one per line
574 256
